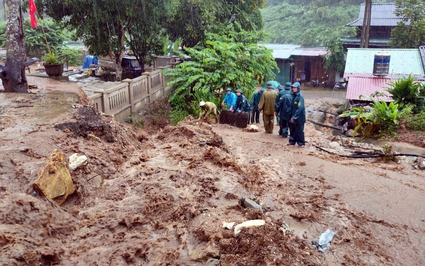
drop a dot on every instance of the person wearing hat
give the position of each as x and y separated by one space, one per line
242 104
208 108
266 106
283 109
279 89
255 100
229 100
297 121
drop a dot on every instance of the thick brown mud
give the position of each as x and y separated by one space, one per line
160 198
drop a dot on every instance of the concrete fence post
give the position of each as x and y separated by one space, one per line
149 81
130 94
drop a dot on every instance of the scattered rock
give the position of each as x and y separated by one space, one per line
228 225
247 203
420 162
247 224
212 262
204 251
333 144
251 128
90 136
54 180
76 161
350 133
144 156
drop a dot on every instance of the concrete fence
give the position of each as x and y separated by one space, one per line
131 95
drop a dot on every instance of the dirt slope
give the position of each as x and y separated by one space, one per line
161 198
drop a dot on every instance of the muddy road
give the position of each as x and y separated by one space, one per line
160 197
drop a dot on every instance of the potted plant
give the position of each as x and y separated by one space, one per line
52 65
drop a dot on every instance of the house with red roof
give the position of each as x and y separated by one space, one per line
370 70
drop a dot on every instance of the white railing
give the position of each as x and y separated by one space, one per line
131 95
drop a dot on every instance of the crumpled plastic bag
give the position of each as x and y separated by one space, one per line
323 243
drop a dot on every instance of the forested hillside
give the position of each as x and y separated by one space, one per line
309 22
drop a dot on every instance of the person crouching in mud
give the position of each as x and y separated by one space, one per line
207 108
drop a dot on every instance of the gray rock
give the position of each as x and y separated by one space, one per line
247 203
350 133
334 144
421 163
212 262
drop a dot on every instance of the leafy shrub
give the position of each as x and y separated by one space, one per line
415 122
380 118
35 44
51 58
231 60
177 115
406 91
73 55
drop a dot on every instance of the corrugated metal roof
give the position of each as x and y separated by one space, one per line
402 61
382 15
309 52
366 86
281 51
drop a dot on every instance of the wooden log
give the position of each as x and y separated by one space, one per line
324 125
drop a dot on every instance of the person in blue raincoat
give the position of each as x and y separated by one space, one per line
229 100
297 121
255 112
283 109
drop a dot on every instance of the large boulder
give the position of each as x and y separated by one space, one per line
54 180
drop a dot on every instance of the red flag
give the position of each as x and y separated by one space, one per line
33 10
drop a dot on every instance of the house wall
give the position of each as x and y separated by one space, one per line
377 32
312 66
285 71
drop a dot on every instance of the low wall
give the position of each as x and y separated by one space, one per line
131 95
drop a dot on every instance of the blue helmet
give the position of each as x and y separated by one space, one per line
297 85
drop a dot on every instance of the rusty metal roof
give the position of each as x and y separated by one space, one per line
402 62
382 15
319 51
281 51
366 86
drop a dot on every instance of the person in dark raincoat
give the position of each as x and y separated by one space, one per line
297 121
242 104
279 89
283 109
255 112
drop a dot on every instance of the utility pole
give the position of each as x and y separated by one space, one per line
364 39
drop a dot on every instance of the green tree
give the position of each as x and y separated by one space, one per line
305 22
410 32
335 57
35 44
103 25
146 34
192 19
228 60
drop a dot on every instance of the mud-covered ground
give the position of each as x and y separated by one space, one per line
158 195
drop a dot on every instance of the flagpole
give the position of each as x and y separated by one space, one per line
44 34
